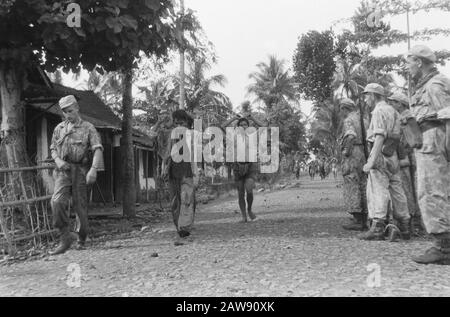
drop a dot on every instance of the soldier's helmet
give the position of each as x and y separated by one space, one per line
347 103
399 97
424 52
375 89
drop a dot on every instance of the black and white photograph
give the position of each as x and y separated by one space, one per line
225 155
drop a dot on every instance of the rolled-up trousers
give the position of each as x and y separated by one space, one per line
182 196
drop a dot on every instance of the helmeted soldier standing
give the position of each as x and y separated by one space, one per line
384 182
429 104
407 163
353 160
72 141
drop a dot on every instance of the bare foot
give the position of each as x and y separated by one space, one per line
251 215
243 220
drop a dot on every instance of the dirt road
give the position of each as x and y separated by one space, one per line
296 247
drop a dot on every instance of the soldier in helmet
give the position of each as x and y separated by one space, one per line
407 163
384 183
353 160
430 106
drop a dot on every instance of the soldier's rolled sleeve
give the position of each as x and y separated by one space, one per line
53 145
95 140
379 124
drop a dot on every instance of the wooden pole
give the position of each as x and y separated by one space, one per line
24 202
26 169
408 28
146 176
128 179
32 236
182 59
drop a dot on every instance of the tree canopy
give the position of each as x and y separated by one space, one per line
314 64
37 30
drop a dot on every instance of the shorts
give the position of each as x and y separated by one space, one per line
245 170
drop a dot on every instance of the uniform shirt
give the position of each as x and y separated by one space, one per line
385 121
431 96
352 127
71 142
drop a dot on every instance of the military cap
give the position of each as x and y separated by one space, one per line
374 88
424 52
347 103
400 97
67 102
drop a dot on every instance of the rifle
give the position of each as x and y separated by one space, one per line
363 128
412 173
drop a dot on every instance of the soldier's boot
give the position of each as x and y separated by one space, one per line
439 253
65 242
375 233
405 229
417 227
359 223
81 244
364 219
81 241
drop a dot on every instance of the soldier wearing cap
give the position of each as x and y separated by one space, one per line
72 141
400 102
431 98
353 160
384 182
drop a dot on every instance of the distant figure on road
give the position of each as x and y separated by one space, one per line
297 168
322 168
312 169
334 168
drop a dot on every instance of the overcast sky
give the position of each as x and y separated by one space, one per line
245 32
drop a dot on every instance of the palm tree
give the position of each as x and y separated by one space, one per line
326 126
272 83
161 94
201 97
352 76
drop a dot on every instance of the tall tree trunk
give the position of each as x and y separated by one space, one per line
128 179
182 60
12 125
